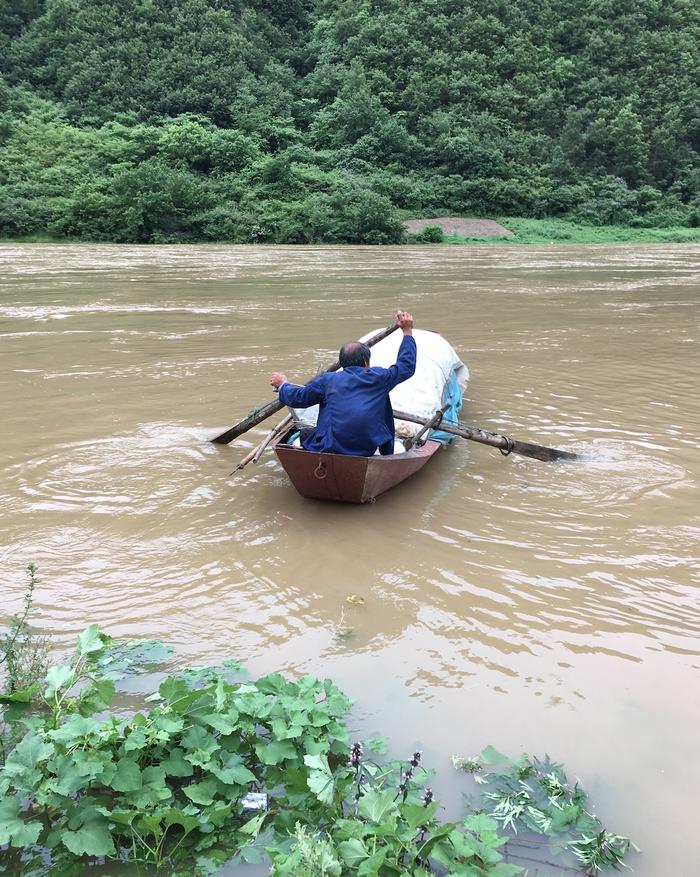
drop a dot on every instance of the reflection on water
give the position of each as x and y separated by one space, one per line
546 607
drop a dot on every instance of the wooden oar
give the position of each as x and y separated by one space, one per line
504 443
428 425
255 453
259 414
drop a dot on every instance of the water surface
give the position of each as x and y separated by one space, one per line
537 607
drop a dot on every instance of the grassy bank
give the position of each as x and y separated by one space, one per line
562 231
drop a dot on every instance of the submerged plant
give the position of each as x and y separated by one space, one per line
602 850
536 796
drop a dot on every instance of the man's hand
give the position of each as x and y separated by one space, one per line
404 320
277 379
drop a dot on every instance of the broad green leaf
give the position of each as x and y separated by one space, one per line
173 816
151 823
493 756
90 641
417 814
76 730
252 854
29 752
175 765
312 746
370 867
252 827
66 781
480 823
136 740
122 658
249 701
232 770
92 764
217 815
58 678
225 724
153 789
276 751
96 696
320 779
201 793
13 829
273 683
283 731
564 816
208 865
220 696
200 745
93 838
464 845
377 805
168 723
376 744
106 689
175 691
121 817
438 843
352 851
339 734
337 703
317 762
127 777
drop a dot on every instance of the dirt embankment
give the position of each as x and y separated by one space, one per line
468 228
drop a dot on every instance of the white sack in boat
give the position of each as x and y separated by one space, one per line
437 368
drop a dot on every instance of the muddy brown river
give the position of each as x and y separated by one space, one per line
538 607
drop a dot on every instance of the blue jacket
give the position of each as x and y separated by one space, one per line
355 415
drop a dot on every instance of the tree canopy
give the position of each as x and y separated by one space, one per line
318 120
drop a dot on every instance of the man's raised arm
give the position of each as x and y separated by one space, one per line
406 360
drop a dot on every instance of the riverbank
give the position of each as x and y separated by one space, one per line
519 230
458 230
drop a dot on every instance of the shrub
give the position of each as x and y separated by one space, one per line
23 652
431 234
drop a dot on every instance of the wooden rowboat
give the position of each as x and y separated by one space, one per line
349 479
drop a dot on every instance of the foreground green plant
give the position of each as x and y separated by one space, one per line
23 652
219 769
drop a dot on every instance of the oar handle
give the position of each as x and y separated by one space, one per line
259 414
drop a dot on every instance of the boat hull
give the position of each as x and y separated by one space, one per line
342 478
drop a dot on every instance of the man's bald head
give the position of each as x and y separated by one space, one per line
354 353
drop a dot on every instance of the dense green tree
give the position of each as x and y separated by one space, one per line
315 120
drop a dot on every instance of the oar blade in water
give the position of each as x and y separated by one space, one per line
541 452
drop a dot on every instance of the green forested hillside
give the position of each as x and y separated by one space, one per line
247 120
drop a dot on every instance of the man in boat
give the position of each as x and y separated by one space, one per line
355 415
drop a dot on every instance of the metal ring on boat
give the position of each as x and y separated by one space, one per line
510 444
320 471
